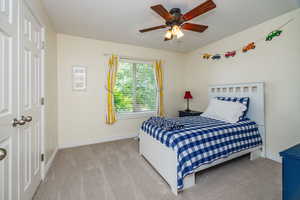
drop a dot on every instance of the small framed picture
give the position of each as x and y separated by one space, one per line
79 78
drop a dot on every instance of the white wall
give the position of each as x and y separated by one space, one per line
277 63
51 141
82 114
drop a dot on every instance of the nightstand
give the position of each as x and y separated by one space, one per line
291 173
183 113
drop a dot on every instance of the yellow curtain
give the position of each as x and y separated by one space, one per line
159 80
111 81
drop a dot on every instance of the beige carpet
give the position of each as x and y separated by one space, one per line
115 171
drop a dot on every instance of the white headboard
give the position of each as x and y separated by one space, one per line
256 93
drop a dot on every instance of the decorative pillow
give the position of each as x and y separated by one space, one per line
224 110
166 124
243 100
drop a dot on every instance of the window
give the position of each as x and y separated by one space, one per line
135 90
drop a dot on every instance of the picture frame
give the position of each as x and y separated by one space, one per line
79 78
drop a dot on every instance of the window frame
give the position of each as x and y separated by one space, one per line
138 114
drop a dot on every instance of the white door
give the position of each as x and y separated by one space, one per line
8 99
30 107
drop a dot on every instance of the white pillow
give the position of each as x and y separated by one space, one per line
224 110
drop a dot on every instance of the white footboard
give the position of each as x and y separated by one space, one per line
164 160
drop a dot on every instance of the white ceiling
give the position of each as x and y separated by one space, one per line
120 20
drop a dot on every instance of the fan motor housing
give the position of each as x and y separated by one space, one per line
175 11
177 17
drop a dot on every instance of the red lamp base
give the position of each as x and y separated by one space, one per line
188 106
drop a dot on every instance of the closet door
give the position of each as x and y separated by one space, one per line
30 107
9 58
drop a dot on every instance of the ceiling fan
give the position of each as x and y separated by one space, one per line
177 21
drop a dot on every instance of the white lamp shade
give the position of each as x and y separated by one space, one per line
168 35
179 34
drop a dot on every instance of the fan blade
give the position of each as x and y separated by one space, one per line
160 9
194 27
199 10
153 28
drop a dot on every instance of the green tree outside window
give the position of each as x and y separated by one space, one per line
135 89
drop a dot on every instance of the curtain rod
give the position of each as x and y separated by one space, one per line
132 58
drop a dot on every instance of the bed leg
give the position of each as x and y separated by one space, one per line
140 151
255 154
174 190
189 181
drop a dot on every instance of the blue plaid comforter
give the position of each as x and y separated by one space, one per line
204 140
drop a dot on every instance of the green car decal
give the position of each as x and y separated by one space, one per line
273 34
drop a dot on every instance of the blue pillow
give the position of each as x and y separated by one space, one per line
243 100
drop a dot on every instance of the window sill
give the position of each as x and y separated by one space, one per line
137 115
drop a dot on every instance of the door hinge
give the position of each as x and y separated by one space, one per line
42 157
42 101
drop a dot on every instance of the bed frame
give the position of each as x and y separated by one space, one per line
164 159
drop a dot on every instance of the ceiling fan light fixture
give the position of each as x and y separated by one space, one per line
175 30
178 21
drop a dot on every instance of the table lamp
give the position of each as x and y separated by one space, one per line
188 96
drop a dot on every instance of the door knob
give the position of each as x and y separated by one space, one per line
3 153
27 119
18 122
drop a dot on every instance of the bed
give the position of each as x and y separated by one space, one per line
203 142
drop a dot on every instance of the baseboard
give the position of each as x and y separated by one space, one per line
107 139
275 158
49 163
